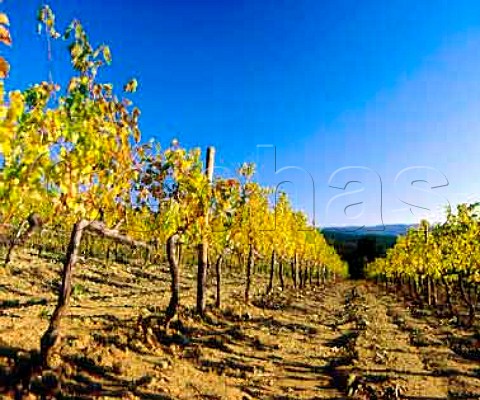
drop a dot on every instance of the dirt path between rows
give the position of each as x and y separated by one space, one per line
397 355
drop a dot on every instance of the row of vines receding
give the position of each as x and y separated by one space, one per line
74 174
437 265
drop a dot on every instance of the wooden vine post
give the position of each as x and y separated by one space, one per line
218 273
250 265
173 262
203 246
272 272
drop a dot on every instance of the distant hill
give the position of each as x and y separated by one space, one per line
377 230
359 245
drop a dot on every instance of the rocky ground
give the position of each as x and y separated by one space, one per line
346 339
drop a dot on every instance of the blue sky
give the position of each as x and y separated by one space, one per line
344 91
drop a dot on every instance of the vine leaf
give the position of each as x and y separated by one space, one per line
4 19
4 68
5 37
131 86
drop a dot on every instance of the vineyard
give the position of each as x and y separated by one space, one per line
437 265
131 270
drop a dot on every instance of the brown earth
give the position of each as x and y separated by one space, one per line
348 338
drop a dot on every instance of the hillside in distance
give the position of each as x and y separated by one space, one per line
360 245
381 230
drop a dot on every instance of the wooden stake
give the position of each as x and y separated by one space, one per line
203 247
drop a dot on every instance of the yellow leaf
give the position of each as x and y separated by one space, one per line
5 36
4 68
4 19
131 86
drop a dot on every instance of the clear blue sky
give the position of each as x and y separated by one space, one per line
382 85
